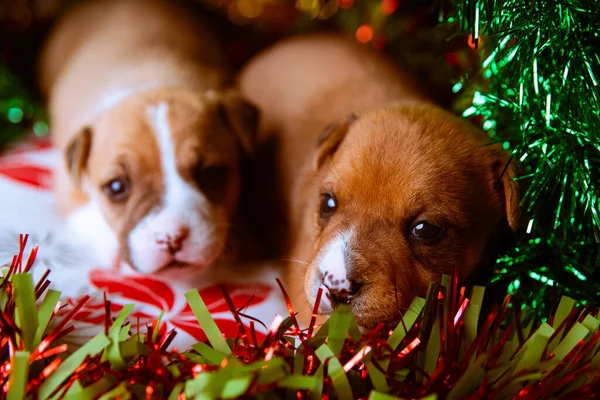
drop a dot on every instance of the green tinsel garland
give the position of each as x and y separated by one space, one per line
539 94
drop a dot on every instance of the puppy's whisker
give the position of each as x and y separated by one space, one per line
292 259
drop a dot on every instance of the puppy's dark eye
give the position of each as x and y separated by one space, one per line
212 180
426 231
328 206
117 190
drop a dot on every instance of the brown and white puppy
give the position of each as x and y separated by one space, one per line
386 199
151 134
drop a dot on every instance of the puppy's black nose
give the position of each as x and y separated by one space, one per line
340 291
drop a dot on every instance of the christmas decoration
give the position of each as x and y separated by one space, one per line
437 351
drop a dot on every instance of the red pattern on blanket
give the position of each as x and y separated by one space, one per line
152 296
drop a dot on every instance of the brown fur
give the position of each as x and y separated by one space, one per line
401 160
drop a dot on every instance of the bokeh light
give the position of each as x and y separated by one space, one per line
364 33
389 6
40 128
472 44
15 115
249 8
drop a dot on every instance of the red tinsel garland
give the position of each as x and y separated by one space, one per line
432 352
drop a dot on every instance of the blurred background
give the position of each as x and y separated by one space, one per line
413 32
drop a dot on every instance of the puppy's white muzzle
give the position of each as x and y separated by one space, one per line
172 241
331 273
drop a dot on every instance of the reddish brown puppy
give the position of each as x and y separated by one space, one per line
386 199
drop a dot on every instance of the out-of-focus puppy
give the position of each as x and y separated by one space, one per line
387 198
151 133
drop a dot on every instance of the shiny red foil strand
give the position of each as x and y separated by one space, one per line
50 352
166 342
453 297
252 322
31 259
313 318
107 314
41 283
58 331
242 334
19 261
290 308
11 269
36 382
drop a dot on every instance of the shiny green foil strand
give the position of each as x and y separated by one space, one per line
539 95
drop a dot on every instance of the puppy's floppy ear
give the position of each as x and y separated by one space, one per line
77 154
505 185
330 140
241 116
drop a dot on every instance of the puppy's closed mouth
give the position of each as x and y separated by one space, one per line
177 266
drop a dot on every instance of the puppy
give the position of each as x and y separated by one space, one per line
151 134
392 194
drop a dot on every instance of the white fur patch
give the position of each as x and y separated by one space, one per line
177 191
88 224
183 207
332 262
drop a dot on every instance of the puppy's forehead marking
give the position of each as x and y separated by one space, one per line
177 191
159 119
333 263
